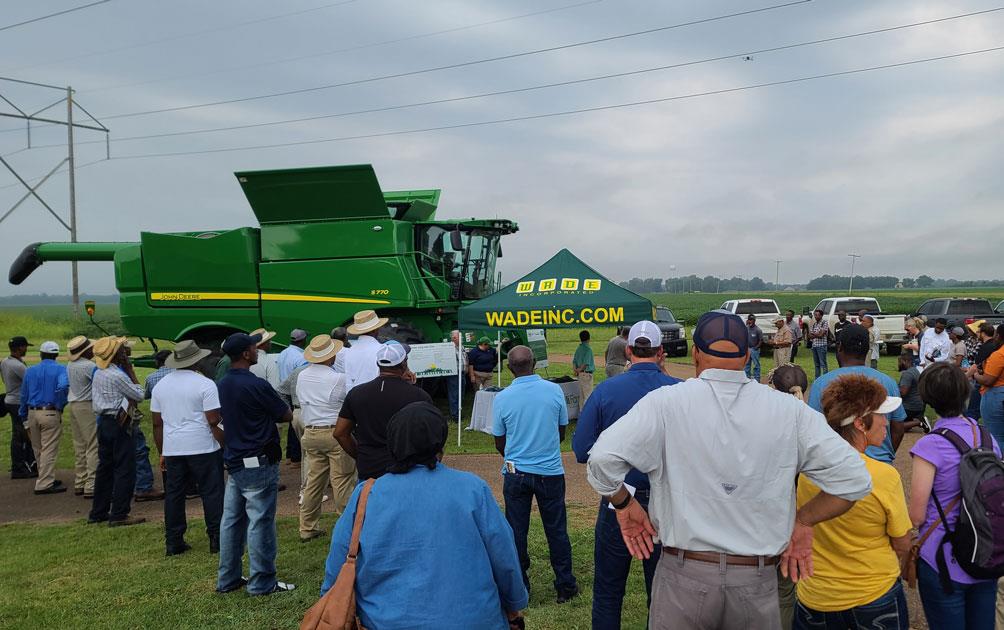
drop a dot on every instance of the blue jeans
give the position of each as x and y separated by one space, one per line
973 411
753 365
454 397
992 412
969 607
888 612
612 564
144 472
819 360
519 489
249 516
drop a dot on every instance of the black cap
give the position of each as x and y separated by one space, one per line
854 340
415 434
16 342
715 326
238 343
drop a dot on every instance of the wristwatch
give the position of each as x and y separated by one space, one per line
624 504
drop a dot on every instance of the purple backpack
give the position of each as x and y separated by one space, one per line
978 537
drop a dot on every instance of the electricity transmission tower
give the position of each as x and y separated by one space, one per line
40 116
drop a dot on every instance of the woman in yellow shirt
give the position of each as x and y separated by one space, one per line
856 582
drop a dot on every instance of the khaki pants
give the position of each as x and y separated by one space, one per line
1000 605
84 424
45 427
613 369
782 356
483 379
692 595
298 430
585 387
327 462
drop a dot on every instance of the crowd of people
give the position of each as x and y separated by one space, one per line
749 505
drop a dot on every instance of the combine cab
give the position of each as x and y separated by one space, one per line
330 243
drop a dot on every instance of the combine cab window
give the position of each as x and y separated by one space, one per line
469 271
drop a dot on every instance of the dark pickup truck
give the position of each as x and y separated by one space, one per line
960 311
674 333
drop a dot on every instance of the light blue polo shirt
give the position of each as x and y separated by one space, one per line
528 413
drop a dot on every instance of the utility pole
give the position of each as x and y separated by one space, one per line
850 286
777 275
70 159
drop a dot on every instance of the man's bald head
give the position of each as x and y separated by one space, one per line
521 361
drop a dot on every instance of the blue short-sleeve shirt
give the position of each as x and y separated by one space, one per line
528 413
885 452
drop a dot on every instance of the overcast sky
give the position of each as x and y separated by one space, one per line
899 165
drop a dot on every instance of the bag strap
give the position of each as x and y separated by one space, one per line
960 444
941 517
357 525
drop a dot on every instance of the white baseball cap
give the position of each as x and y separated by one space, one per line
392 353
49 347
645 330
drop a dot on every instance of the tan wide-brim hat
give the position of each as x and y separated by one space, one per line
105 350
974 327
366 322
77 346
186 354
321 349
266 335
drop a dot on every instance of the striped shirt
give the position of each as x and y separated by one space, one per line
80 373
110 388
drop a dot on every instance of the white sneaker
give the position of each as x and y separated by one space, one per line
925 424
300 501
324 498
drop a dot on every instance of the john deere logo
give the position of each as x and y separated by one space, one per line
550 285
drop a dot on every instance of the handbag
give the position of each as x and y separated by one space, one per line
908 569
337 609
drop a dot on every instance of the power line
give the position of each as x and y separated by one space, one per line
455 65
170 38
539 87
336 51
567 112
52 15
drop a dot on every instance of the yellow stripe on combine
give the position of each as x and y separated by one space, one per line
179 296
282 297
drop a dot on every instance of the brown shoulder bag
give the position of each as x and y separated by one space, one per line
337 609
908 570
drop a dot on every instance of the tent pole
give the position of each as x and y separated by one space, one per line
460 385
498 353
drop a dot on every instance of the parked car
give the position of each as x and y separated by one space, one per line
891 328
960 311
766 313
674 333
1000 307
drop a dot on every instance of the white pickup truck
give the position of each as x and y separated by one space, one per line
765 311
891 327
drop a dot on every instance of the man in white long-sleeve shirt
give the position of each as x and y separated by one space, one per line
935 344
722 452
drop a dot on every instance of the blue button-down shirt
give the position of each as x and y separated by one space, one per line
612 399
44 384
288 360
439 520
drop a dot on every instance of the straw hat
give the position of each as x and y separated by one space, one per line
974 327
266 335
77 346
186 354
322 348
105 350
366 322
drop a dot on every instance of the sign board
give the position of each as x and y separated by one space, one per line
428 360
538 343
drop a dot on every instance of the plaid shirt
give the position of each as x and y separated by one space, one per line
819 327
153 379
111 387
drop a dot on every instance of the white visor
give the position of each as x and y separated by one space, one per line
891 404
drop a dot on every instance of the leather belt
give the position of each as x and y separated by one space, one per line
716 558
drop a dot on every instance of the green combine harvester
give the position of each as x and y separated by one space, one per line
331 243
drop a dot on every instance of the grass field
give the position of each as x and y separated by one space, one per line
74 575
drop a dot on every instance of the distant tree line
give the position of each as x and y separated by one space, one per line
41 299
714 284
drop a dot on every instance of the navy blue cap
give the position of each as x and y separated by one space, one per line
718 325
238 343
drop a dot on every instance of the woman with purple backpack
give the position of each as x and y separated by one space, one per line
959 601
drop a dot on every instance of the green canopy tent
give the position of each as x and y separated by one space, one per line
564 292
